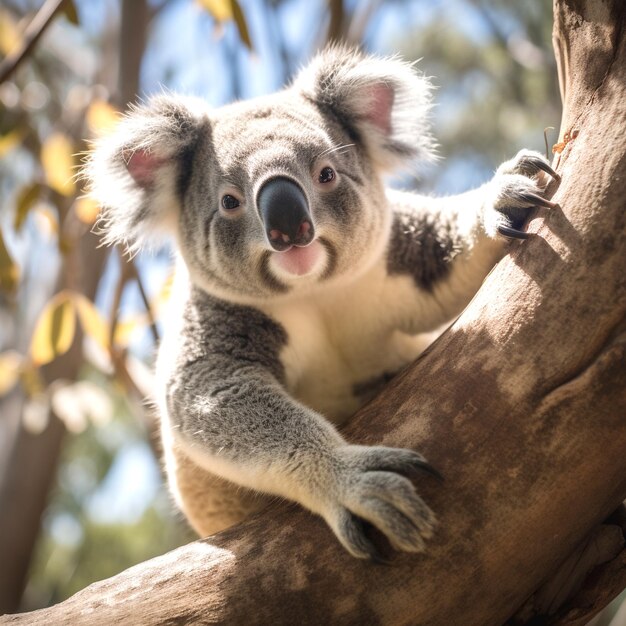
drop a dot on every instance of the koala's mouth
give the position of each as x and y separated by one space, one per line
299 260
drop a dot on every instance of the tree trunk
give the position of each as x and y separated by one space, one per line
521 404
33 457
29 461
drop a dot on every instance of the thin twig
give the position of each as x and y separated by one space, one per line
122 375
336 24
128 271
146 302
33 32
125 276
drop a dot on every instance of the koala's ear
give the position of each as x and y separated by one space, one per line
382 102
138 172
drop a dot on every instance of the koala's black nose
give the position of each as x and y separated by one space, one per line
285 213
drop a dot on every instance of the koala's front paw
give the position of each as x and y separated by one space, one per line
369 487
517 189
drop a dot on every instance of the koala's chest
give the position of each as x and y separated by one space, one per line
341 352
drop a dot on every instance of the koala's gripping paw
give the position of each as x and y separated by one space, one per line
369 487
517 189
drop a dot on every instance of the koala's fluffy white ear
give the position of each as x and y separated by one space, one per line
137 173
382 102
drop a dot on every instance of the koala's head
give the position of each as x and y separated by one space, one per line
273 195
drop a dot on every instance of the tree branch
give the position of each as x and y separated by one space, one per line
603 585
34 31
146 302
336 23
520 404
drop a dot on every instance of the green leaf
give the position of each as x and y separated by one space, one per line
25 201
9 272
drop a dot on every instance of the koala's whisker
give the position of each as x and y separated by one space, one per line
342 147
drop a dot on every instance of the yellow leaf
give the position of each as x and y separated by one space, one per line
9 141
54 331
242 26
31 380
10 37
70 12
58 163
47 219
90 319
87 210
25 202
101 117
159 303
10 370
125 329
9 272
221 10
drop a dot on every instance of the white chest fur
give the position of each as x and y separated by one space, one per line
345 337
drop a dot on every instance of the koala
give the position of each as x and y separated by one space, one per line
303 284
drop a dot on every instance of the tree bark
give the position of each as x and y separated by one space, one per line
33 458
521 404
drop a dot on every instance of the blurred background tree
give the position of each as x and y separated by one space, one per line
81 490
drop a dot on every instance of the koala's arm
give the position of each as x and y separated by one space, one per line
226 406
448 245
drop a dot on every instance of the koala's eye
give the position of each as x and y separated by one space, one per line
229 202
327 175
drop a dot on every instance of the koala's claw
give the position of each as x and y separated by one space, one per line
516 215
542 165
371 487
351 532
397 460
512 233
518 188
429 469
536 200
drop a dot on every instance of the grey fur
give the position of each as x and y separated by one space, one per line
252 336
266 351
